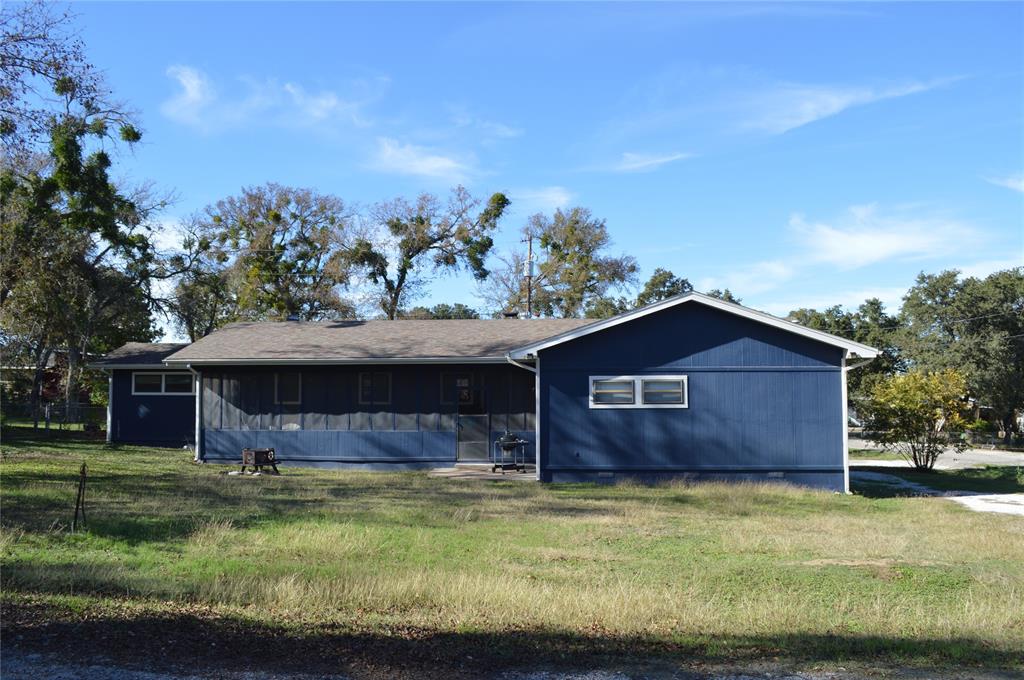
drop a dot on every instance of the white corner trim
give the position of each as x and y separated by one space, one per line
846 429
708 301
536 419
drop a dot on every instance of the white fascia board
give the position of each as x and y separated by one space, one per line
130 367
850 346
328 362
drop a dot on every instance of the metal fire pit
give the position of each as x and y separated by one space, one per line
509 453
258 459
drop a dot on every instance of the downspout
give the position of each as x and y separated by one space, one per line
846 420
199 413
509 359
536 405
110 406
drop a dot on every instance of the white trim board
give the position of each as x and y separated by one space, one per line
851 347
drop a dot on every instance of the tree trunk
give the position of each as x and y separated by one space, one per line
42 357
71 384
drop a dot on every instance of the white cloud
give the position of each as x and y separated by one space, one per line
487 128
756 278
639 162
793 105
542 199
864 236
1015 182
983 268
199 104
191 102
408 159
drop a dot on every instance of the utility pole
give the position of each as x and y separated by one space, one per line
528 274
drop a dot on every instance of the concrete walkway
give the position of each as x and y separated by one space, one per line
484 472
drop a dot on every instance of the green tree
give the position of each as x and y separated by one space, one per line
662 285
974 325
441 311
573 271
869 325
421 238
284 252
917 414
724 294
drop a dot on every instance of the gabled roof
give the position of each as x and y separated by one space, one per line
139 355
530 350
377 341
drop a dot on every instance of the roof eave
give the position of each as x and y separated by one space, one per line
350 361
851 347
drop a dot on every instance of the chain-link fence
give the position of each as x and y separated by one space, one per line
83 417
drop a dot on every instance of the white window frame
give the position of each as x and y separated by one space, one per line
277 398
359 388
638 390
163 385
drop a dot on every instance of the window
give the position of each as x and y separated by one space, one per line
288 388
664 391
375 388
162 383
655 391
177 383
613 391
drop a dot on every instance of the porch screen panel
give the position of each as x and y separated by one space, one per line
268 409
314 400
520 395
429 391
405 398
339 399
361 414
498 400
231 398
211 401
249 401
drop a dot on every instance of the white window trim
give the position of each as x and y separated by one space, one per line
277 399
638 390
163 380
359 388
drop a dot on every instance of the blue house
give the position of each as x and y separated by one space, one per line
688 387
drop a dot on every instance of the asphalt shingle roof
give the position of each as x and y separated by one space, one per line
140 354
366 340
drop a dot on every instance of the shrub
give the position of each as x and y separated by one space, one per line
915 414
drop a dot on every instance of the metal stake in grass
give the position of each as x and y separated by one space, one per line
80 500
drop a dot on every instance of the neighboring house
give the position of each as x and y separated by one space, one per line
691 386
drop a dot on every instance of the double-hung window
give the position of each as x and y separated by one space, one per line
638 391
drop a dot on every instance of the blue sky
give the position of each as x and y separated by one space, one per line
799 154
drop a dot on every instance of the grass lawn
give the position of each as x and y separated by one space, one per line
988 479
386 573
874 454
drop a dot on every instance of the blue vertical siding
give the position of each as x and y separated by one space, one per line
762 403
163 420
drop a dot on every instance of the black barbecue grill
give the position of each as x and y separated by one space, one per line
509 453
